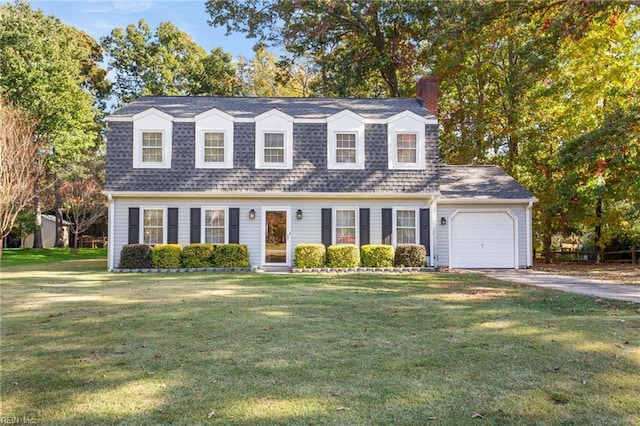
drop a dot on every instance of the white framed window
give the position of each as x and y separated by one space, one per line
406 140
152 139
345 226
214 225
405 225
214 140
345 141
274 140
153 225
273 149
346 151
407 148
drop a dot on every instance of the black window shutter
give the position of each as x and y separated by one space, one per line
387 225
134 225
172 225
425 236
364 226
326 227
234 225
194 226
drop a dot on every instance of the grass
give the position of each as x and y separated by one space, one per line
27 257
83 346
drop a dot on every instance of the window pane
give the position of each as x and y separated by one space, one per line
406 236
274 148
214 229
406 226
152 147
345 227
407 152
214 147
345 148
214 236
406 218
152 224
345 218
274 140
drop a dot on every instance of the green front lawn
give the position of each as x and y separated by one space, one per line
25 257
83 346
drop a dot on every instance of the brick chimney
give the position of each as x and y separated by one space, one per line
427 92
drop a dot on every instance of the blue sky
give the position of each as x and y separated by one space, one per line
99 17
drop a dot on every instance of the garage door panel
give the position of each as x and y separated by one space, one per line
482 240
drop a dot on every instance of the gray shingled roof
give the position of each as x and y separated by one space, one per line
481 182
309 108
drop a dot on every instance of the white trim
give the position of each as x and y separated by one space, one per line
214 121
345 122
164 223
263 235
513 217
128 119
529 225
394 232
433 229
152 121
406 123
356 211
203 215
110 234
471 200
274 195
274 121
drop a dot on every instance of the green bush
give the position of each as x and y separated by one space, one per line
310 255
166 256
410 255
377 256
343 256
231 256
135 256
197 256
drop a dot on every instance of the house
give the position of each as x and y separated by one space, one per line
48 230
272 173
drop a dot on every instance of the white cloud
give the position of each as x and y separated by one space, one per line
131 6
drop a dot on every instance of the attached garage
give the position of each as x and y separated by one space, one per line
483 239
483 219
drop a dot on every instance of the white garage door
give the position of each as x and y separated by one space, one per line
482 240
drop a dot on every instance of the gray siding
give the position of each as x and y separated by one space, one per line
306 230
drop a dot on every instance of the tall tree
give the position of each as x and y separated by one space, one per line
20 165
356 45
165 62
50 70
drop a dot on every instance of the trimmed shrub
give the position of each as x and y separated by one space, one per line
310 255
343 256
197 256
377 256
410 255
231 256
166 256
135 256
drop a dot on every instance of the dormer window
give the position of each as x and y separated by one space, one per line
152 131
345 141
214 140
406 139
274 140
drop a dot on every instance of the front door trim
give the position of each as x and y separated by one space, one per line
263 233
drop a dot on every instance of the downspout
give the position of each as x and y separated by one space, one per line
529 226
110 233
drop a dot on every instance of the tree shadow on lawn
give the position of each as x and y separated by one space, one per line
345 349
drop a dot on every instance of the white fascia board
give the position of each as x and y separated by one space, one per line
443 200
307 195
128 118
412 115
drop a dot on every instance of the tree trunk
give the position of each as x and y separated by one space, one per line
58 211
598 232
37 235
548 254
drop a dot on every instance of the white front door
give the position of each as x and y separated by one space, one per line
275 237
482 240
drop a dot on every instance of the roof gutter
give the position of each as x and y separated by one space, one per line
273 195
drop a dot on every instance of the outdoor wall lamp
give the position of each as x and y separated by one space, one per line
443 221
252 214
299 214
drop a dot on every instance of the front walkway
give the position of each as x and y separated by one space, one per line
589 287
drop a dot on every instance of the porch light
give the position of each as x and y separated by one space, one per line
443 221
252 214
299 214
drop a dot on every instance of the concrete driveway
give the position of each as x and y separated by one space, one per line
589 287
